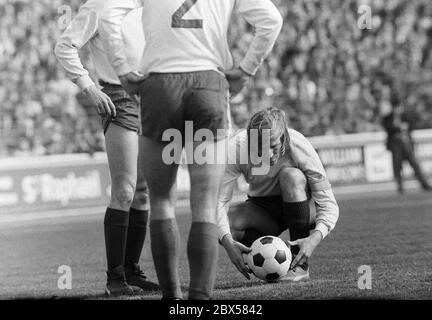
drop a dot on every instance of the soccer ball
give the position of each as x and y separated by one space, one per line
269 259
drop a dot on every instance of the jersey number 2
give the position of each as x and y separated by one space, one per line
179 22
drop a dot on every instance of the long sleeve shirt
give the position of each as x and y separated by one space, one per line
188 36
84 29
301 155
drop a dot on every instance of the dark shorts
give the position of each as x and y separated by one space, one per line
171 99
127 108
274 207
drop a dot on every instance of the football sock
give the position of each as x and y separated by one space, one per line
249 236
165 246
297 218
202 253
115 229
136 234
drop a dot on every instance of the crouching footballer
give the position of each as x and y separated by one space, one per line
278 198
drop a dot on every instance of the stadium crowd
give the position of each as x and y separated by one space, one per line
331 76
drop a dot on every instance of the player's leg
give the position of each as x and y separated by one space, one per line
203 244
296 212
205 104
248 222
165 236
397 159
137 230
122 151
410 157
296 209
138 220
161 94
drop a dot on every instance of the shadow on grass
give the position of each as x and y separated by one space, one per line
242 285
95 296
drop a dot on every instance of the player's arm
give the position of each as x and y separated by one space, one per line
234 249
111 30
307 159
267 21
80 31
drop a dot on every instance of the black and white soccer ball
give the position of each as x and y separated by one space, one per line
270 258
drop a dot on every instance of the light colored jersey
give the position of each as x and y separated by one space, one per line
84 29
191 35
301 155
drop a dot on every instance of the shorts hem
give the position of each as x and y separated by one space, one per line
106 127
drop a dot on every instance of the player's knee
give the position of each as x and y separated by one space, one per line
141 191
236 221
237 224
123 194
141 201
293 178
293 185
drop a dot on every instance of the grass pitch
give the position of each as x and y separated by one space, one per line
388 232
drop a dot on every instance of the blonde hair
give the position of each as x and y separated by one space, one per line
274 119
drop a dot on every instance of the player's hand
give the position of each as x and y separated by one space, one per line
306 248
237 79
131 82
102 102
235 251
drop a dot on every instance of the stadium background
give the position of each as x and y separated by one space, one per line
333 79
330 76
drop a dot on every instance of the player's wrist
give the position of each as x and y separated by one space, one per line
315 237
90 89
227 241
248 68
84 82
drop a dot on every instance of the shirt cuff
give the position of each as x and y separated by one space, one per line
249 67
84 82
320 186
223 231
321 227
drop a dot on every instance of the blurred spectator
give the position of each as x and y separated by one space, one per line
39 112
325 72
398 125
328 74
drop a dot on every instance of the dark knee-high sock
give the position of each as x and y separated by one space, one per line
115 229
165 245
297 218
249 236
136 234
202 253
